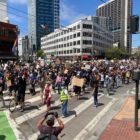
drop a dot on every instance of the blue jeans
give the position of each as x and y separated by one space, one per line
64 108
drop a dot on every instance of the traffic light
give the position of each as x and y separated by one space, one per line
134 24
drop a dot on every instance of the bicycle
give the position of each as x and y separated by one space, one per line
13 103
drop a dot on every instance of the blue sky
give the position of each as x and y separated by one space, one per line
71 10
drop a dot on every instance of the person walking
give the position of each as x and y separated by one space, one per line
47 91
64 101
95 93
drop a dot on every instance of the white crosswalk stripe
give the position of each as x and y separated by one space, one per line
93 122
80 108
35 113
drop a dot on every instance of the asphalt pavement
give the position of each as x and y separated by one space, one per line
85 121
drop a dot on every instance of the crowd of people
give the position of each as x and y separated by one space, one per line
16 77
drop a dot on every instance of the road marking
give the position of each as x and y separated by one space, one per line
80 108
34 113
92 123
14 126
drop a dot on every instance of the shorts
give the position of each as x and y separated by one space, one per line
21 98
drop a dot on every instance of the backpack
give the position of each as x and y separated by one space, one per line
48 136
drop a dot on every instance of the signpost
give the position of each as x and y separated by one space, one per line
136 78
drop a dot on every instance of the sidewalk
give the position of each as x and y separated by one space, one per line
6 133
122 125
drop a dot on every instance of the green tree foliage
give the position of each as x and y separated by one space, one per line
40 53
116 53
137 54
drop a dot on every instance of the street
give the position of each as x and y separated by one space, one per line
84 121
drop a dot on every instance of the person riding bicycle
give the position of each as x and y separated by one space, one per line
48 131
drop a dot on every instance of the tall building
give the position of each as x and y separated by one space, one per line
83 39
3 10
43 18
119 12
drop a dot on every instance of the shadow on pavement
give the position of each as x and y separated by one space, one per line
100 104
72 113
83 98
55 107
27 108
2 137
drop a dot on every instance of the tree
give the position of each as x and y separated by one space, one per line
40 53
116 53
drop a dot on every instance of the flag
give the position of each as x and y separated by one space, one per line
14 48
44 26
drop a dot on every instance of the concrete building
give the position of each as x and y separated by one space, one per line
3 10
119 12
79 39
26 52
43 18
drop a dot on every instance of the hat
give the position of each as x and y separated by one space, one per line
50 120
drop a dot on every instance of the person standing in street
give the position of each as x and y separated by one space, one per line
47 91
64 101
21 91
1 91
95 94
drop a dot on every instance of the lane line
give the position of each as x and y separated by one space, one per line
79 109
93 122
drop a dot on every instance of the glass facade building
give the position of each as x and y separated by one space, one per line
43 18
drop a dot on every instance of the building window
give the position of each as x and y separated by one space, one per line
78 42
78 26
87 26
74 36
78 34
87 42
87 34
74 43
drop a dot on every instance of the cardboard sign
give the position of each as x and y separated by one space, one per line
57 61
66 71
17 67
9 83
77 81
87 67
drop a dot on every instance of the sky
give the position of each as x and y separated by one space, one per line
70 11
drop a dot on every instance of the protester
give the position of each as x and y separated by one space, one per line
47 91
48 130
64 102
1 91
21 91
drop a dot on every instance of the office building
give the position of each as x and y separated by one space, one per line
3 10
8 41
80 39
43 18
119 12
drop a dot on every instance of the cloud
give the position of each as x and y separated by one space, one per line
21 2
68 13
